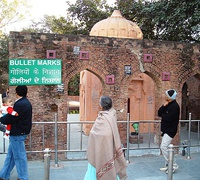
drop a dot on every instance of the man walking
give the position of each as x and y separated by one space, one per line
21 127
169 112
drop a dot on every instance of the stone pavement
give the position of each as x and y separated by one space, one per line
140 168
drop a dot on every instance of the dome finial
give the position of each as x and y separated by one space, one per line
116 13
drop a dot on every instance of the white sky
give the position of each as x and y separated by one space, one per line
41 8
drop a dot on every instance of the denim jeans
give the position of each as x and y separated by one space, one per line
16 156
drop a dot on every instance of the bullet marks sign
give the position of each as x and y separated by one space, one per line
35 71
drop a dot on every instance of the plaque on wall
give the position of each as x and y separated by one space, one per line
76 50
35 71
165 76
110 79
51 54
127 70
148 58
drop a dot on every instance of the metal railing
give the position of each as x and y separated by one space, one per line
188 138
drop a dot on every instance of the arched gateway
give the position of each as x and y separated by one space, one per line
114 60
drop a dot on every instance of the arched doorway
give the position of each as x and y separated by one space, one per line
185 101
86 103
90 92
141 95
191 100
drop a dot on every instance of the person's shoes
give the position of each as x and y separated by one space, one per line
2 178
175 167
164 168
172 171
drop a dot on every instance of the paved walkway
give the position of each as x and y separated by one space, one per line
144 167
139 168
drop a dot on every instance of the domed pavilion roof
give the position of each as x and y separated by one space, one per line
117 26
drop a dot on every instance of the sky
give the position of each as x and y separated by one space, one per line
41 8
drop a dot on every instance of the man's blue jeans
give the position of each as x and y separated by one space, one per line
16 156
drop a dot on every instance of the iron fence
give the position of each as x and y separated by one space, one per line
146 142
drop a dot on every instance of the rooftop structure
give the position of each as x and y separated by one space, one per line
117 26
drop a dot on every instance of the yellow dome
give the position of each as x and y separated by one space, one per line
117 26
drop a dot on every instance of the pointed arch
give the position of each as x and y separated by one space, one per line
100 72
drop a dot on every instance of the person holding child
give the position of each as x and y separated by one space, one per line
21 127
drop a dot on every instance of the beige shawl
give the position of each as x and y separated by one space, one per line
104 147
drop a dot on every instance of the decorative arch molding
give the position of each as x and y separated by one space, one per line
155 78
99 72
154 72
182 78
158 89
157 81
127 79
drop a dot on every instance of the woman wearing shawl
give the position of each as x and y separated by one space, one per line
104 152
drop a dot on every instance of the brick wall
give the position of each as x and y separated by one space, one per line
106 56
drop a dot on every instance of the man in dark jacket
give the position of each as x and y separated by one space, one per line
169 112
20 128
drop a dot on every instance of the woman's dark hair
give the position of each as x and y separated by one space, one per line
105 102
